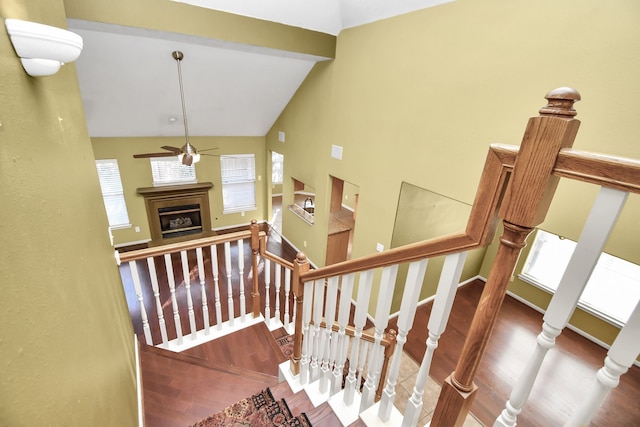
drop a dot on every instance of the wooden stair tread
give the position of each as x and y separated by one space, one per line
206 363
254 348
180 389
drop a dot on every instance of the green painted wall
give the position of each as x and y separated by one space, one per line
420 97
136 173
66 341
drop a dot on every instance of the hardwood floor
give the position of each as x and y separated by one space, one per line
567 373
180 389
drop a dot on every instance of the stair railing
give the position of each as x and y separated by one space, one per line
159 283
526 177
309 289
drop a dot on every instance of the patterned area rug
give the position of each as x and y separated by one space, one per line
285 343
259 410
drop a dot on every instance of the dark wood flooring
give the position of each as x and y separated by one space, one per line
180 389
567 373
185 391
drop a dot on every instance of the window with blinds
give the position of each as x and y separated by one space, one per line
238 182
277 168
612 291
169 171
112 193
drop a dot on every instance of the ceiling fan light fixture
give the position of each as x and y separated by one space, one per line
189 153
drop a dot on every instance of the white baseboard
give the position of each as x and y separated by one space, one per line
432 297
136 242
568 326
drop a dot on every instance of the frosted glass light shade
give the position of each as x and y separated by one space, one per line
43 48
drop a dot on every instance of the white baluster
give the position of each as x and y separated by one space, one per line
365 349
360 318
174 302
216 285
346 290
227 264
143 313
318 299
445 294
410 296
329 317
620 357
287 290
156 293
243 303
307 338
277 279
292 326
203 291
186 275
595 234
267 285
385 296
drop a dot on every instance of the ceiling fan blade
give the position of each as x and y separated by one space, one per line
148 155
174 150
207 154
209 149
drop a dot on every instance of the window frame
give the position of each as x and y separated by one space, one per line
167 171
279 169
592 306
114 193
248 180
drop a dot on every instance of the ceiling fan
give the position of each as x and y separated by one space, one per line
187 154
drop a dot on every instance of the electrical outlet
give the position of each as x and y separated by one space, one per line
379 247
242 213
304 243
137 229
281 136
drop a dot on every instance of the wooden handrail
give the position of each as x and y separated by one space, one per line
479 231
608 171
186 245
264 253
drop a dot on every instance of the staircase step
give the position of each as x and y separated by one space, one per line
321 416
206 363
180 389
254 348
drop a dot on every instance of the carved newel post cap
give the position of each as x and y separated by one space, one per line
301 257
560 102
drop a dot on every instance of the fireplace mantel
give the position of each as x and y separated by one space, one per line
173 189
177 212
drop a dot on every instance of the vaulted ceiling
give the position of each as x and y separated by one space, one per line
233 87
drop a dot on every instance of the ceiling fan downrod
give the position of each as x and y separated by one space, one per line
189 153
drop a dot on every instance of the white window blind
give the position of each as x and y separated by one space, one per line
112 193
169 170
238 182
277 168
612 291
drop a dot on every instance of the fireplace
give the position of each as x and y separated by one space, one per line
181 220
177 212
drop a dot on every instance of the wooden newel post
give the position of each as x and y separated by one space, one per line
527 200
300 266
255 250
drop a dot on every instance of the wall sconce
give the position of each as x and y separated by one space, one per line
43 48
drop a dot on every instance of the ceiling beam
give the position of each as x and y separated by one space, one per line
187 20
